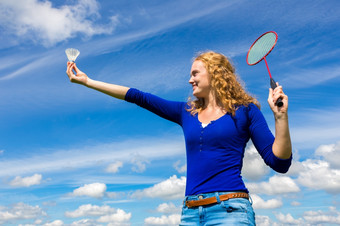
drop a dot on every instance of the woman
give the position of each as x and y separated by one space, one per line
217 126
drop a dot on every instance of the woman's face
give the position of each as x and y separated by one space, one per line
199 79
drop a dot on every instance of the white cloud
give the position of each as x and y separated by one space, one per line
322 217
275 185
319 217
55 223
2 152
120 217
259 203
26 181
317 174
40 22
320 174
331 153
295 203
90 210
254 167
85 222
114 167
289 219
180 169
295 169
163 220
113 195
264 221
20 211
172 188
139 163
105 213
95 190
168 208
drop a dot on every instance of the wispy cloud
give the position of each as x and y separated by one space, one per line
41 22
36 64
105 45
114 167
313 127
304 78
89 156
26 181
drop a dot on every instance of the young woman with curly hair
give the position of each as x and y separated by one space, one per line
216 126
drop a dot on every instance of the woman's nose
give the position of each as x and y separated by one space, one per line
191 80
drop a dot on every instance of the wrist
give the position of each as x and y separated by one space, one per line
281 116
88 82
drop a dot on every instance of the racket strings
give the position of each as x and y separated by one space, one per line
261 48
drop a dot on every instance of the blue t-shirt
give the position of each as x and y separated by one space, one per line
215 152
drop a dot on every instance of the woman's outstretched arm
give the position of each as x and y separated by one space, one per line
282 146
77 76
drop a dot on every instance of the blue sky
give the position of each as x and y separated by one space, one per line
72 156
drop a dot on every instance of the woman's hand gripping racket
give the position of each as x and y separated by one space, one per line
259 50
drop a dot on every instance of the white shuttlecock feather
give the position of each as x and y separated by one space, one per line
72 54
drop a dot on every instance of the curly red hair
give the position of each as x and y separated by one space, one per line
225 84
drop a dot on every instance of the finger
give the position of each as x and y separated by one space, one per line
278 87
69 71
70 63
76 69
270 93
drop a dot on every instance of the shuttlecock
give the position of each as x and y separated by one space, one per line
72 54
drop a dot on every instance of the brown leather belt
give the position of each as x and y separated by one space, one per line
213 200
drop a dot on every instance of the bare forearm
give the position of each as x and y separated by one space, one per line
113 90
282 147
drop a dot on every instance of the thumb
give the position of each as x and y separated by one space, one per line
270 93
270 97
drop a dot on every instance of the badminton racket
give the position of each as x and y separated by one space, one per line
259 50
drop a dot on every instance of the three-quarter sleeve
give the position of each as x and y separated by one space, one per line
263 140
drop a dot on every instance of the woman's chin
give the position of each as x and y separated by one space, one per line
197 95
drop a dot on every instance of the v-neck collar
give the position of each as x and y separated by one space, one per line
211 122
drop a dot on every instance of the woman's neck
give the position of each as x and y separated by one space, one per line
210 102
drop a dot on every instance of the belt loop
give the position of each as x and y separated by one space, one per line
185 200
217 197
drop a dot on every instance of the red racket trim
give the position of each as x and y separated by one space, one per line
268 51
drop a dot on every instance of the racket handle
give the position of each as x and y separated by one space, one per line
273 85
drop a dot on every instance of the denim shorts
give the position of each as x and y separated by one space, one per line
236 211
